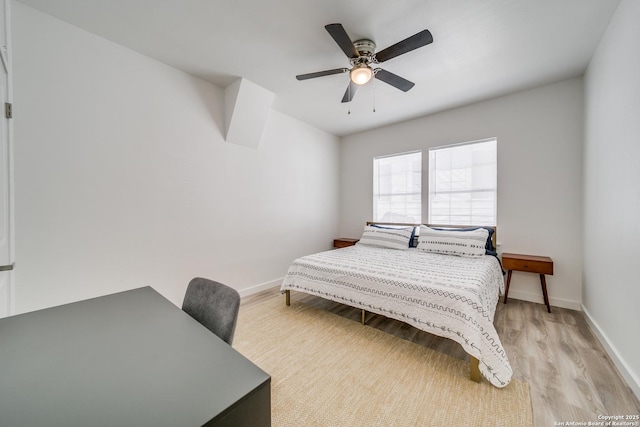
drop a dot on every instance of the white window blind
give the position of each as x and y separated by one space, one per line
463 184
397 188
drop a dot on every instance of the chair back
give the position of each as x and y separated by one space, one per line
214 305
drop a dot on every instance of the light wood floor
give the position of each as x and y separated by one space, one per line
570 375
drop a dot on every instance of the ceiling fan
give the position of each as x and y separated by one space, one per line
362 57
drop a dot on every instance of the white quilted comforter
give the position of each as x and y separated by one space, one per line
449 296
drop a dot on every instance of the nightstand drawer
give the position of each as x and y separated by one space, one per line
344 242
530 263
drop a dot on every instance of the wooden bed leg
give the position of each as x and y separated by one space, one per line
287 297
362 320
474 369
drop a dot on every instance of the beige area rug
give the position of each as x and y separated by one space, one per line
330 371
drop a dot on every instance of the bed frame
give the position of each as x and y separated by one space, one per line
474 363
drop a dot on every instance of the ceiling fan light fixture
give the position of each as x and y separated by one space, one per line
361 74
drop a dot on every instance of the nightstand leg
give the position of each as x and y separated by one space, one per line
506 290
543 283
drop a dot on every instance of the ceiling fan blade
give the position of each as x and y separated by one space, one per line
420 39
342 39
394 80
321 73
350 92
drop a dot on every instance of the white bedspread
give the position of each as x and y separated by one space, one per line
449 296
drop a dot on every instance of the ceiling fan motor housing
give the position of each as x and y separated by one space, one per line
365 47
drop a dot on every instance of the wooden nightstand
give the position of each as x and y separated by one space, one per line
531 263
343 242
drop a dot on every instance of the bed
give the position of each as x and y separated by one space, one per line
437 291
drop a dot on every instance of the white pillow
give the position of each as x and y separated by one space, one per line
392 238
461 243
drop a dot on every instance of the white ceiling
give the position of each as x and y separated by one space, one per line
481 48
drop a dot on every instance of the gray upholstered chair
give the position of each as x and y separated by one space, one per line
214 305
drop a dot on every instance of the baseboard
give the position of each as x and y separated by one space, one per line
537 298
524 296
632 380
259 288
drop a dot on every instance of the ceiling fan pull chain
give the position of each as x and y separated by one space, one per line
374 97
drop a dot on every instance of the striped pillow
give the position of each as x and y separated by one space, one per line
460 243
392 238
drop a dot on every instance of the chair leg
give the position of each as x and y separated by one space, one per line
287 297
362 320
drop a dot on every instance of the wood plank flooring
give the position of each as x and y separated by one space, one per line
569 373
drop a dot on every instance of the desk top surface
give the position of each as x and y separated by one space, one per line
131 358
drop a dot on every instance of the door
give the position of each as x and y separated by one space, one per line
6 171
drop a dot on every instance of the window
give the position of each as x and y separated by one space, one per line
463 183
397 188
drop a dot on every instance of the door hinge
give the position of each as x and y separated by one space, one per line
7 267
8 110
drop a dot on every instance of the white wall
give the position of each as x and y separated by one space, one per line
612 190
123 178
540 134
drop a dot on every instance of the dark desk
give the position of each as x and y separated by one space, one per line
127 359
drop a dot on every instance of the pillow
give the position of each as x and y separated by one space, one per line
413 241
392 238
460 243
489 246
